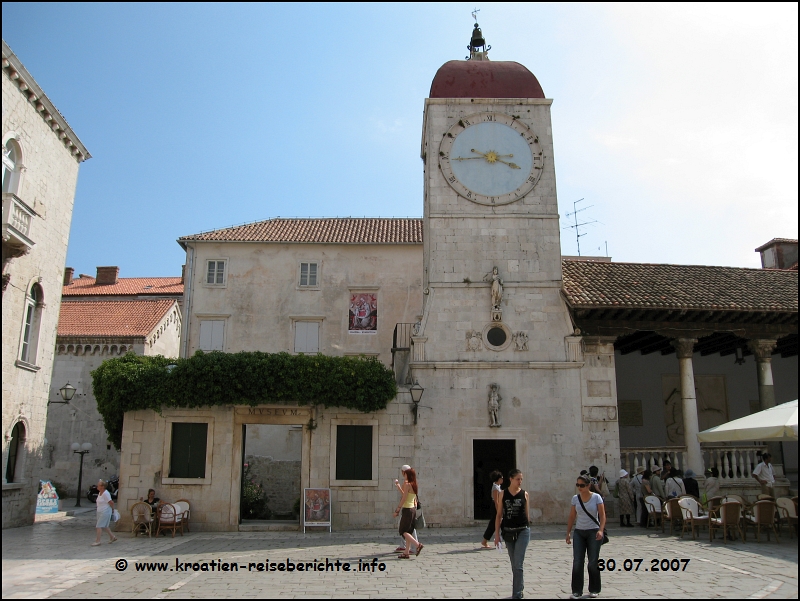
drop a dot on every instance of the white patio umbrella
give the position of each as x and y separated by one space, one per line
776 423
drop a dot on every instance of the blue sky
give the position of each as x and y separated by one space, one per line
677 122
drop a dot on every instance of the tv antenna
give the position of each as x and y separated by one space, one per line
577 226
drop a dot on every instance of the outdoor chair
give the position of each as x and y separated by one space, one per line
690 509
763 514
653 505
763 497
141 519
788 511
671 512
730 519
713 503
184 508
169 519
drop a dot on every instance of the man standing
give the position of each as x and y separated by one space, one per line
765 476
656 485
402 548
636 485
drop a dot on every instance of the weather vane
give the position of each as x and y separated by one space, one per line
475 13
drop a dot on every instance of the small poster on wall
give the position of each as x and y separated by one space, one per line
363 313
47 499
317 507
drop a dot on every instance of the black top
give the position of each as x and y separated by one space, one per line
514 510
692 487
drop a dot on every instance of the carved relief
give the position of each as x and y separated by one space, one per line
494 406
474 340
497 293
520 341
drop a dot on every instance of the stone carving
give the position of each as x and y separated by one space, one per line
762 349
520 341
497 289
416 328
474 342
494 406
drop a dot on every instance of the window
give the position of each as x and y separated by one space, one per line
15 448
308 275
306 337
353 452
11 166
212 335
188 452
215 273
34 303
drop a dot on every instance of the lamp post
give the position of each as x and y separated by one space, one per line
416 395
80 449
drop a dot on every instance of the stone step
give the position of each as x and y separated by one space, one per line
269 526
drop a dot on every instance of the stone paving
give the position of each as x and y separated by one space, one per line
54 559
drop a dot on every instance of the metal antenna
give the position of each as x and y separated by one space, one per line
577 225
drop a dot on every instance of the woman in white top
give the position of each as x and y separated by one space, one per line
105 508
590 513
497 493
674 484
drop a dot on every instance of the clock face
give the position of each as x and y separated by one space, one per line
491 158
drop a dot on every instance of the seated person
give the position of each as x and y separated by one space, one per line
151 500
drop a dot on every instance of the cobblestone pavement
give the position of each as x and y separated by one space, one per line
54 558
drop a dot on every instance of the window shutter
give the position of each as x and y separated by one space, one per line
354 452
217 335
300 336
205 335
188 452
312 274
220 272
312 337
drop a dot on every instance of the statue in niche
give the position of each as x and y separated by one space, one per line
521 341
494 406
497 288
473 340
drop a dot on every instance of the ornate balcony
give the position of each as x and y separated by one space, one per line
17 221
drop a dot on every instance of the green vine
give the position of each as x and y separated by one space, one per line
248 378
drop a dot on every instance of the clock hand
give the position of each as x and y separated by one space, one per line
467 158
512 165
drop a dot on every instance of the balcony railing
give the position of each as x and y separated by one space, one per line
17 219
733 462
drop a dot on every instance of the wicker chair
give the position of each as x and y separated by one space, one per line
763 497
713 503
671 512
762 514
653 505
169 518
787 511
730 518
141 519
690 509
185 509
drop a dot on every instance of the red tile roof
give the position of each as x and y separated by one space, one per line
124 287
339 230
112 318
653 286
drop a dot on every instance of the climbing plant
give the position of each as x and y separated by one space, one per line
210 379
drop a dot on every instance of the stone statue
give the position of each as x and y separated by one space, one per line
473 340
521 341
494 406
497 289
416 328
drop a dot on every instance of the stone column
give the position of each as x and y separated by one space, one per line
684 348
762 349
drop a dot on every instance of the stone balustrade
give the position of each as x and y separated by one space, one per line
17 218
648 457
733 462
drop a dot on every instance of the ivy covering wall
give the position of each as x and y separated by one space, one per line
248 378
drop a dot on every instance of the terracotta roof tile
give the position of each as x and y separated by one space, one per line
124 287
112 318
654 286
339 230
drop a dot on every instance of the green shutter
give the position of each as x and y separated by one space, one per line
354 453
188 453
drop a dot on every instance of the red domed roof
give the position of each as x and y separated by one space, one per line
485 79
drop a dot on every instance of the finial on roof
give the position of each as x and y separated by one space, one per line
477 47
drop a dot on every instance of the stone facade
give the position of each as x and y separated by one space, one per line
37 210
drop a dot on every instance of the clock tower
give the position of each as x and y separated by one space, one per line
502 366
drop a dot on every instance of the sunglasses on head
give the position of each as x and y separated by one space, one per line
581 485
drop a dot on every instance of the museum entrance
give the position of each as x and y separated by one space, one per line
488 456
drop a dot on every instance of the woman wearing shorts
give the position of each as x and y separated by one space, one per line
105 509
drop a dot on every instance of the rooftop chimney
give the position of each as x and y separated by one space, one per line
106 276
778 253
68 273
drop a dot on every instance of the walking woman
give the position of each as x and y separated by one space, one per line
513 519
105 508
497 492
590 512
408 506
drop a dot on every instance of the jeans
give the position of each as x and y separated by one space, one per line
583 541
516 553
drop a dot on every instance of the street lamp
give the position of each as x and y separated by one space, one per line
67 391
416 395
80 449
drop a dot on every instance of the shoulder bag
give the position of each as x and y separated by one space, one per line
594 519
419 520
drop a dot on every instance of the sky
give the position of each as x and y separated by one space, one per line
676 123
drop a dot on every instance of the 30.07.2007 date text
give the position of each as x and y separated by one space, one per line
634 565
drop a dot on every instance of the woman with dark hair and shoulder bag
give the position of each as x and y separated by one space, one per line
513 519
408 512
589 511
497 480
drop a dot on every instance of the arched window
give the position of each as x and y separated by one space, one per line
12 165
15 448
34 303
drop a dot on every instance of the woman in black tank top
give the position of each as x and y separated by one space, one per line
513 517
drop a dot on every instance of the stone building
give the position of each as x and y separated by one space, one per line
523 356
101 318
41 157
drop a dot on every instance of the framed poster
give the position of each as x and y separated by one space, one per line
317 507
363 318
47 499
